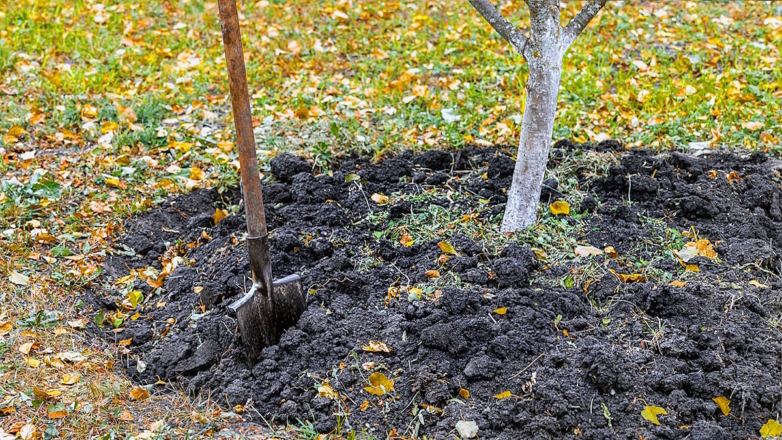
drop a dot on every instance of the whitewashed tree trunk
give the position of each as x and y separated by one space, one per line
543 51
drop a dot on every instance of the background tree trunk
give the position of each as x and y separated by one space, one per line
537 127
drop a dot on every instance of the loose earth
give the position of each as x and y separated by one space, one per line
523 347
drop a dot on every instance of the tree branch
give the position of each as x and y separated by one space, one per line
500 24
580 22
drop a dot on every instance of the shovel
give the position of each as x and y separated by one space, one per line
271 306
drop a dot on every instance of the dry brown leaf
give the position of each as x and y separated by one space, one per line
464 394
327 391
611 252
629 278
433 274
677 283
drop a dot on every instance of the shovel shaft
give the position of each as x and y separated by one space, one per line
257 242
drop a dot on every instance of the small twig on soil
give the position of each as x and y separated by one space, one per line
528 365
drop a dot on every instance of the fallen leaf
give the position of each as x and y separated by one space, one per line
77 323
629 278
447 248
650 413
467 429
26 347
327 391
756 283
125 342
433 274
376 347
503 395
611 252
771 429
733 176
71 356
294 47
364 405
692 268
139 393
724 404
379 384
126 416
560 208
677 283
19 279
32 362
69 379
380 199
134 296
5 328
585 251
464 394
406 240
196 173
28 432
501 310
57 411
752 125
219 215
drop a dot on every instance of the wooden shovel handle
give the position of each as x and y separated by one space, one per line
240 101
257 240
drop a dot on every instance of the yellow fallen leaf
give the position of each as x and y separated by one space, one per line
26 347
771 429
629 278
108 126
585 251
611 252
134 296
447 248
705 249
379 384
16 131
380 199
327 391
724 404
125 342
433 274
692 268
677 283
464 394
406 240
196 173
32 362
376 347
139 393
501 310
756 283
540 253
69 379
364 405
560 208
650 413
503 395
5 328
219 215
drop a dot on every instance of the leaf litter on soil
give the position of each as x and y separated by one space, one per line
442 344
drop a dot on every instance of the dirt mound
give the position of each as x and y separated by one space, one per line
579 361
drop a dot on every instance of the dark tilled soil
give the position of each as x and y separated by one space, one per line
586 374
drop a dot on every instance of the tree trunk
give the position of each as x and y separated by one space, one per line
537 128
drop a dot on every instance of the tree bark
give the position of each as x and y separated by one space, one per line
537 128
